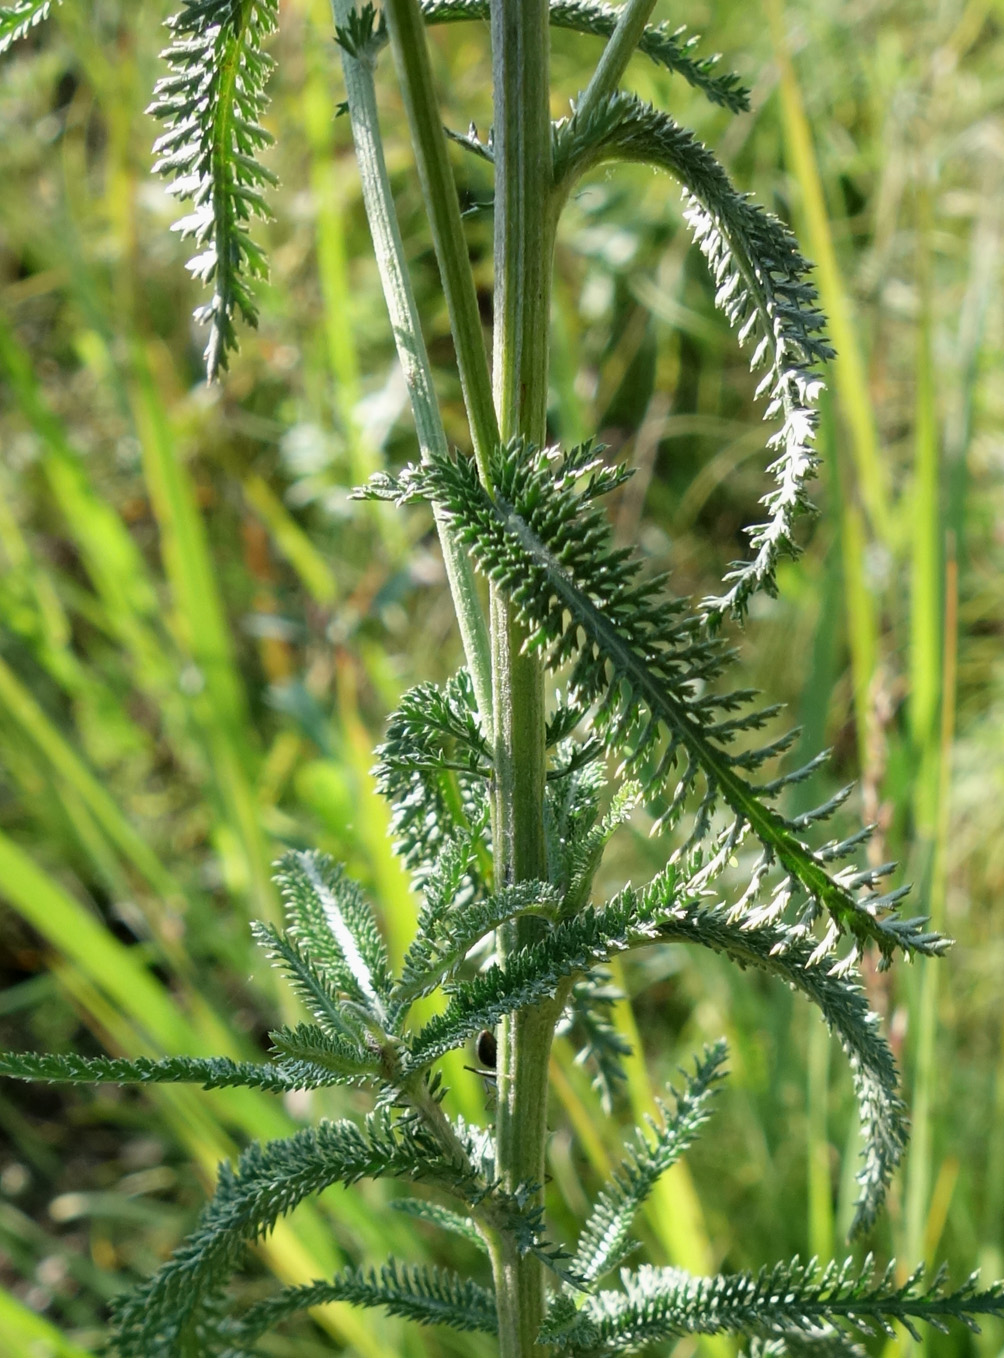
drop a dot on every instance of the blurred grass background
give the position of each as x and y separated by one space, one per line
200 638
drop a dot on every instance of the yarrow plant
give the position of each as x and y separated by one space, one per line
501 798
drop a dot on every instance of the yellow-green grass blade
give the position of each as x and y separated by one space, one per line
861 612
25 1334
291 541
932 683
673 1210
333 180
125 1002
220 702
814 712
849 368
112 560
926 560
31 600
33 722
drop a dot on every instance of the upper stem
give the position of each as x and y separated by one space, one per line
406 325
439 191
616 55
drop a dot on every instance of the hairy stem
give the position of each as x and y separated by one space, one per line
402 308
618 52
439 191
524 237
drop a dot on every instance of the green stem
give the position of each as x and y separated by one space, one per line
524 239
406 325
439 191
623 42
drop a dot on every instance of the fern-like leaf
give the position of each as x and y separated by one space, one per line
433 768
437 1215
217 1072
664 1303
341 1020
530 975
643 663
344 1062
767 945
667 47
334 924
824 1342
436 954
419 1292
212 104
17 21
606 1241
162 1318
763 288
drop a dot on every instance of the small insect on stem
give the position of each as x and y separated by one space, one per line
486 1049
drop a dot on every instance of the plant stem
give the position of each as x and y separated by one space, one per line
524 237
406 326
439 191
616 55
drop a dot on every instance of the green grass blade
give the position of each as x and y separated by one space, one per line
849 369
23 1332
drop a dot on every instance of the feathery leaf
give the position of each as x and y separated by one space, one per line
663 1303
530 975
662 44
212 103
419 1292
335 926
17 21
424 1210
217 1072
773 948
762 286
605 1240
161 1319
343 1062
439 951
642 661
433 768
599 1045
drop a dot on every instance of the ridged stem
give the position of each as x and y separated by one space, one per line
524 238
406 324
439 191
616 55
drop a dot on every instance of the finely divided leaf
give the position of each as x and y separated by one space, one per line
657 1304
531 975
771 947
335 927
419 1292
439 951
606 1240
763 288
217 1072
424 1210
17 21
162 1318
433 768
647 667
666 46
212 104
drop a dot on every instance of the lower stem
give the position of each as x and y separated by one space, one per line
521 1132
